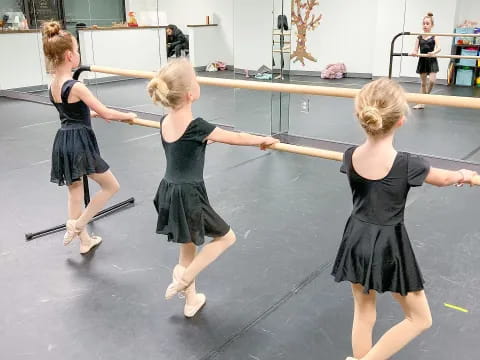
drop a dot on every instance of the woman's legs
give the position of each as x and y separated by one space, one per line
417 319
365 315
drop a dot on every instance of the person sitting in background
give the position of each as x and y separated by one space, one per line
176 41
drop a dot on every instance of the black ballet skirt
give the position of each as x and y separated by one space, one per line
427 65
75 150
375 250
184 212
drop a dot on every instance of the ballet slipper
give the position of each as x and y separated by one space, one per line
193 302
72 232
419 107
193 307
88 242
178 285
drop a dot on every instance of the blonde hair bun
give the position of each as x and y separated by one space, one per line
158 90
379 105
51 29
172 83
371 118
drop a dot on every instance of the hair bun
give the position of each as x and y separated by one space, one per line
430 14
158 90
51 28
371 118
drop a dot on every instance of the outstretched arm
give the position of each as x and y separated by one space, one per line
235 138
441 177
80 91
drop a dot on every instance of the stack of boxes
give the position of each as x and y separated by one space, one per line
466 74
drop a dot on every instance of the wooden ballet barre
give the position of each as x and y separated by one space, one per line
440 100
294 149
439 56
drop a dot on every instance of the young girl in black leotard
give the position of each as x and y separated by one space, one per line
375 254
184 211
75 150
427 66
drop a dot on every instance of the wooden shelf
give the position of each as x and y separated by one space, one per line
467 45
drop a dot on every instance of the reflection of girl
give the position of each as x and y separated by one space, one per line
427 66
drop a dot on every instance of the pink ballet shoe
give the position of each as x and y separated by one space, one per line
190 310
87 242
178 285
193 302
71 233
193 307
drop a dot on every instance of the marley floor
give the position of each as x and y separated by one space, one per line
271 296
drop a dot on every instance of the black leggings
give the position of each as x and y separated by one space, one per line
177 50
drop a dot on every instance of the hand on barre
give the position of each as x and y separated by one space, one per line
468 177
267 142
130 120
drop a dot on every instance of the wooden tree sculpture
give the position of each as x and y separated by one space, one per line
305 21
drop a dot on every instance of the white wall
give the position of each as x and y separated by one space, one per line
345 36
467 10
22 62
194 12
202 49
108 48
389 22
253 34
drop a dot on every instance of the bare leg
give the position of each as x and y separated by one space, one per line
108 187
75 200
431 83
365 315
207 255
417 319
76 225
423 89
75 204
187 254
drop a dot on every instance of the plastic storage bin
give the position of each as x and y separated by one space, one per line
468 52
464 77
464 40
